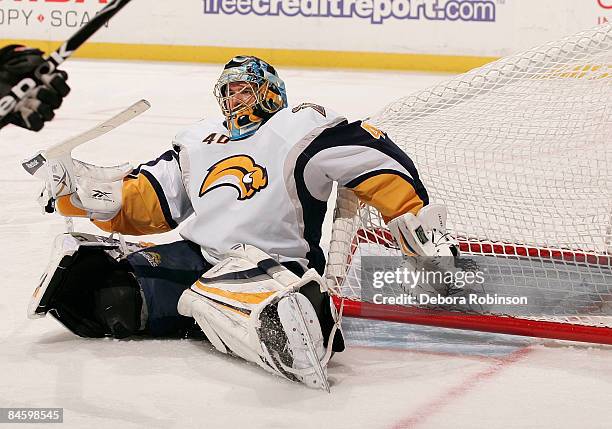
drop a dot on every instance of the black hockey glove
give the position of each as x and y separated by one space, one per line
18 62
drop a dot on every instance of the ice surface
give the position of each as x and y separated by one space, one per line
391 376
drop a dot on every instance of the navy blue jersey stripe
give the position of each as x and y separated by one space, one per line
362 178
169 155
313 212
246 276
163 202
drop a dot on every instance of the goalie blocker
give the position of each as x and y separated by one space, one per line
248 305
427 246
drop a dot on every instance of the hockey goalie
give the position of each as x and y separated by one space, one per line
251 189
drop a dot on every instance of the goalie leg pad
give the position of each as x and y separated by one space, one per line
249 305
88 290
304 339
326 313
118 304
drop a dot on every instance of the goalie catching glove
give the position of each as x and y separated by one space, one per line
252 306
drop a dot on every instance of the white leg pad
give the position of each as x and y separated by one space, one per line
250 306
288 313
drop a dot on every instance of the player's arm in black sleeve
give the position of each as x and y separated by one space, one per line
17 63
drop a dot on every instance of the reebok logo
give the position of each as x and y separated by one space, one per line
101 195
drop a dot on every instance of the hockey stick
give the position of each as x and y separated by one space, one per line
33 164
61 54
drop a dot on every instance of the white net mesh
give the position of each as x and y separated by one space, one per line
520 152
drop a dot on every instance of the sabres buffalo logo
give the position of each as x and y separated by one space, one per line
238 171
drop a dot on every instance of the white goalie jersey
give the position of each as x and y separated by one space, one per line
268 190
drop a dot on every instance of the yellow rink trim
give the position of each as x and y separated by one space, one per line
243 297
282 57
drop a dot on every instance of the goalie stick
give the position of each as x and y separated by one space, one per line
61 54
33 164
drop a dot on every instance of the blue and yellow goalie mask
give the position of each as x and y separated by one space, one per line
249 92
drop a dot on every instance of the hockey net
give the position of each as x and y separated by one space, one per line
520 152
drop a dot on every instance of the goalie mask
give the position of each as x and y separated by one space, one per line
249 92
